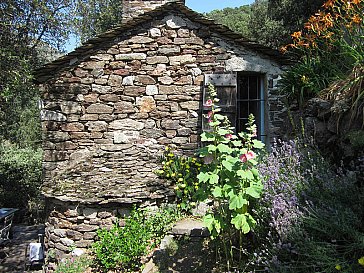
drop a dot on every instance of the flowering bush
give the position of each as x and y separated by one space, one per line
182 171
338 28
309 215
225 174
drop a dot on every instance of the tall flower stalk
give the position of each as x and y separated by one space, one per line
229 177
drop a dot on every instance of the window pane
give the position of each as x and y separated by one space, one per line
244 88
243 109
253 88
254 109
241 125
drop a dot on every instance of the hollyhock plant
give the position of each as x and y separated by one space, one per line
209 116
230 180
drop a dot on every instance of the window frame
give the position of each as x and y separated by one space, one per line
233 80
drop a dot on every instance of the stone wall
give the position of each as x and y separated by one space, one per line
108 116
71 225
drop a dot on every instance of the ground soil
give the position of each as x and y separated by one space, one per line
13 253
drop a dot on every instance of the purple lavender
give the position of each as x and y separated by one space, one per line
283 183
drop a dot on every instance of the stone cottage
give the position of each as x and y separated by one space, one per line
110 107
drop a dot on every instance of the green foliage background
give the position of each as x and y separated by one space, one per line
20 175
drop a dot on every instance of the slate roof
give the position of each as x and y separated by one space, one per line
47 71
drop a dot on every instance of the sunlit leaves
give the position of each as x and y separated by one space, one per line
237 202
254 190
258 144
245 174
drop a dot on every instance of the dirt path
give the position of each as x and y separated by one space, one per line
15 249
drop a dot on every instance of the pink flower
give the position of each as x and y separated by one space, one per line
229 136
208 103
209 116
247 156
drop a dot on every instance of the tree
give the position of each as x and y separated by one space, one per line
27 29
269 22
262 28
291 15
93 17
235 18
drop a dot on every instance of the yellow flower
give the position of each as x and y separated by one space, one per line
361 261
304 79
338 267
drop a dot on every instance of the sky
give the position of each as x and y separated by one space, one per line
209 5
196 5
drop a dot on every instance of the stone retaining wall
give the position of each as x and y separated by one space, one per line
73 225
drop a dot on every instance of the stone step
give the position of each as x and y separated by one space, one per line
190 227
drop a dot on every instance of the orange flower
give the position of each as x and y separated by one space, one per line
296 35
283 49
301 43
356 19
328 20
329 3
308 26
328 35
356 2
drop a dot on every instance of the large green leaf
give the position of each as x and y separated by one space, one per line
203 177
206 136
211 148
237 143
240 222
228 165
208 221
245 174
219 117
255 172
223 132
237 202
214 178
217 192
254 191
223 148
258 144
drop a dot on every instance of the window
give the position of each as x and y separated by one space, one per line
240 94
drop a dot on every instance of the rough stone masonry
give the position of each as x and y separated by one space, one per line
108 114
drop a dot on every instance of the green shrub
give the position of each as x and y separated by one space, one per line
121 247
20 175
356 138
